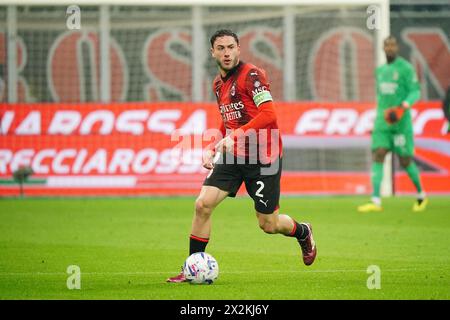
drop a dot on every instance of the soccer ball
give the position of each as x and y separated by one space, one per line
201 268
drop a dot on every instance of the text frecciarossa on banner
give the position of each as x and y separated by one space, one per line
137 138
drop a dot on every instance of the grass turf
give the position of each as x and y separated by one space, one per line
126 248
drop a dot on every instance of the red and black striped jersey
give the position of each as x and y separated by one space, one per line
239 95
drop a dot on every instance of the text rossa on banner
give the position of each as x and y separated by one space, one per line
132 148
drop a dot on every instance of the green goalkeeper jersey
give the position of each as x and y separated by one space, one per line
395 82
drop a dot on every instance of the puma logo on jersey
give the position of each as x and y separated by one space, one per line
264 203
253 73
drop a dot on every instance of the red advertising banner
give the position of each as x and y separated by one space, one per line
131 148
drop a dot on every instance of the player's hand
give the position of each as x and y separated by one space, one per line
207 160
226 145
394 114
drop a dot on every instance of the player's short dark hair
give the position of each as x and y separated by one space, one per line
390 37
222 33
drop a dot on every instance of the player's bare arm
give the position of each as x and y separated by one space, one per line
207 160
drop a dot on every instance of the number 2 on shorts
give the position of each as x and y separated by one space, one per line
261 186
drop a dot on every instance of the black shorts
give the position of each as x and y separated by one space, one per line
262 182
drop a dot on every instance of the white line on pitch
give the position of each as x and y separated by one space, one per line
223 272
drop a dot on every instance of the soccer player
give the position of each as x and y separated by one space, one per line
397 90
246 106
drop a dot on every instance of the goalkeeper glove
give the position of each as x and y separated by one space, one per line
394 114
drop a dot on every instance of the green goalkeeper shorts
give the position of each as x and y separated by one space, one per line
400 142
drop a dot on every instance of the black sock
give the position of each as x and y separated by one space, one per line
300 231
197 244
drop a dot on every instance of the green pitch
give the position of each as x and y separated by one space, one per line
126 248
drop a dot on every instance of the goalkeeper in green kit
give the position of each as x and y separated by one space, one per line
397 90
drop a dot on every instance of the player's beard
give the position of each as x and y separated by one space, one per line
225 68
391 57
